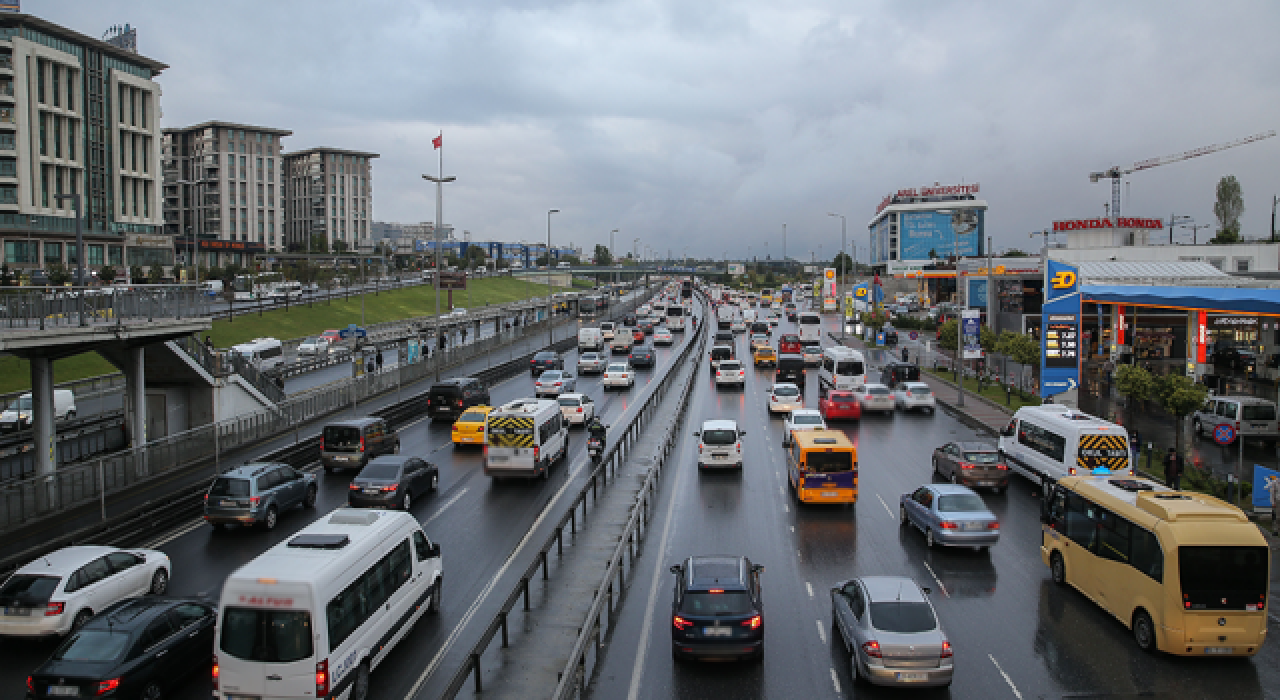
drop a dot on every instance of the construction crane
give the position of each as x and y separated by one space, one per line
1115 173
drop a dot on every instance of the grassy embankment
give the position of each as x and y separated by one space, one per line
995 392
297 321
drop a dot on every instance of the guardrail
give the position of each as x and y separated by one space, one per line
612 458
41 309
38 497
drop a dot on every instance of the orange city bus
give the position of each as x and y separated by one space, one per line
822 466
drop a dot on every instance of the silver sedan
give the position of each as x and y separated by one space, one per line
554 382
890 632
950 514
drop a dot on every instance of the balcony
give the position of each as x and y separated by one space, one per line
6 90
6 62
212 215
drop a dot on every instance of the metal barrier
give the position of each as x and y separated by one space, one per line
610 461
39 309
72 486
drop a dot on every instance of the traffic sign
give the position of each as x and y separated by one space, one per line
1224 434
353 331
913 335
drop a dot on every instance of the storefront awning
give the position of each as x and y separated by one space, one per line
1228 300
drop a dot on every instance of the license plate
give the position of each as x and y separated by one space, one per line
720 455
717 631
973 526
17 612
442 409
227 503
1218 650
986 483
830 494
497 459
911 676
64 691
372 491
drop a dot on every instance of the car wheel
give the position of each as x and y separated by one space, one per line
1058 568
1144 631
435 481
438 590
272 517
360 687
151 692
159 582
405 501
81 617
954 479
902 516
928 538
309 500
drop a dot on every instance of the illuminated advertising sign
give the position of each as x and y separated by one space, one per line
1062 341
1202 336
953 232
1104 222
977 298
1120 324
930 191
1060 322
971 329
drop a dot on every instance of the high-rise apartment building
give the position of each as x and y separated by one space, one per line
78 116
329 197
224 191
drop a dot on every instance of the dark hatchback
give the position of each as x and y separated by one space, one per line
717 611
544 361
646 325
392 481
761 327
790 369
894 373
629 320
138 648
642 356
451 397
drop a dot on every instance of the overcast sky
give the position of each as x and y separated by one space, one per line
709 124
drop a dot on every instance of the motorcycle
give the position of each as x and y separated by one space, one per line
595 447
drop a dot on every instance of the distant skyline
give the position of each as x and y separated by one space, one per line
708 125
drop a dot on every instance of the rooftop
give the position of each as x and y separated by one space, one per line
330 149
18 19
227 125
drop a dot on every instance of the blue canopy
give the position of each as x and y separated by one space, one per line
1232 300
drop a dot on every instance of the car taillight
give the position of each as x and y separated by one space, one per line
105 687
579 409
680 623
389 489
872 649
253 502
966 465
322 678
946 649
362 443
993 525
486 451
51 609
948 525
322 443
1002 466
717 373
455 427
1071 471
353 487
557 383
217 671
535 454
459 403
737 446
31 686
754 623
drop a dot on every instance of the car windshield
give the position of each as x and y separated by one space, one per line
961 503
311 341
877 391
570 402
22 403
29 589
806 420
617 368
379 470
727 603
1259 412
278 636
590 357
790 363
472 417
841 398
902 617
849 368
93 645
225 487
982 457
341 436
545 356
550 376
719 437
786 391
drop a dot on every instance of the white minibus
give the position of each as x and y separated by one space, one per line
842 368
810 327
263 353
1046 443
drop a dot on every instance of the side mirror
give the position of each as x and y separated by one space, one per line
434 551
698 434
676 569
758 568
741 433
927 591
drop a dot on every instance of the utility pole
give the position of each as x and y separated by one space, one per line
1274 199
435 233
991 311
551 338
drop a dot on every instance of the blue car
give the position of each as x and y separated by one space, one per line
951 515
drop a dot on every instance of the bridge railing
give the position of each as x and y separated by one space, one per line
43 308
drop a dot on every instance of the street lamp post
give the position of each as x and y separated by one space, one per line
199 228
75 207
551 339
435 235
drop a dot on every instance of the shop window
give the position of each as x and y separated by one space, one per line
1242 264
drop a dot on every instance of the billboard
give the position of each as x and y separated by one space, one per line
952 231
737 269
1060 339
971 330
977 298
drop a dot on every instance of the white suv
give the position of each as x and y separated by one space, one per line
802 419
913 395
731 373
619 374
720 444
785 398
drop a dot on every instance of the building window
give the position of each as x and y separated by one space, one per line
231 225
133 107
44 146
57 90
40 80
71 90
146 199
57 136
1242 264
115 255
52 253
44 187
20 251
146 155
143 100
95 254
72 257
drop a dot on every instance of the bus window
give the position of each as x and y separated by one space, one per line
1081 528
1223 578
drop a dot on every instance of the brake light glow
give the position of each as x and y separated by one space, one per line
362 443
322 442
966 465
105 687
946 649
52 609
535 454
680 623
1071 471
217 671
872 649
322 678
253 502
994 525
388 489
754 623
1002 466
948 525
353 487
716 590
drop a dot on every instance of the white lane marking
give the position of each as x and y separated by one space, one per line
174 534
782 490
835 680
937 580
799 555
447 503
786 508
822 634
809 587
887 509
793 529
1007 679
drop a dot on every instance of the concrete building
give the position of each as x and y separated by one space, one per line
78 116
224 191
329 193
913 227
1142 240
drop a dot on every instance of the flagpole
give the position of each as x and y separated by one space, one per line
438 143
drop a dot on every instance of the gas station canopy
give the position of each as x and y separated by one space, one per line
1221 300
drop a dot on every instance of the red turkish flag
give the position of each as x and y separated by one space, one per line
438 141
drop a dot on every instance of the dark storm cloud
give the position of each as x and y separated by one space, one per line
709 124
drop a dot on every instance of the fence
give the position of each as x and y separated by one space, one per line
39 309
76 485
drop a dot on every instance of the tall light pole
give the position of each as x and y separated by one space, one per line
435 236
80 252
550 323
842 243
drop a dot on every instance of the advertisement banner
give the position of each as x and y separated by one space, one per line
1119 324
1261 475
977 294
863 292
971 330
1202 336
737 269
948 232
1060 321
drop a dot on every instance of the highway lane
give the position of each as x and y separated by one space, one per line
1015 634
477 522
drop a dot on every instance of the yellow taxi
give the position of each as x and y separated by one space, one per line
765 355
469 428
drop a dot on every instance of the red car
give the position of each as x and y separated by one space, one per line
789 343
837 405
637 335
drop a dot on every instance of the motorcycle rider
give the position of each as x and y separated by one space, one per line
596 429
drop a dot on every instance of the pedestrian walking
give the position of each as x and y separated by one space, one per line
1173 469
208 342
1273 488
905 355
379 360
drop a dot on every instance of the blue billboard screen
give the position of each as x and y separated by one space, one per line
958 232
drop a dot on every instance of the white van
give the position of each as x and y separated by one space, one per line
1250 416
18 414
524 438
263 353
720 444
591 339
606 330
1046 443
211 287
842 368
810 325
314 615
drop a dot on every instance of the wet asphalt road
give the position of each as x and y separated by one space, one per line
1016 635
478 522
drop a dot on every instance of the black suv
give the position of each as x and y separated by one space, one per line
761 327
717 611
449 398
544 361
629 320
724 337
895 373
790 369
350 444
642 356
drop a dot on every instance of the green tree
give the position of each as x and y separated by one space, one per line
947 335
1227 210
107 274
988 339
603 256
1179 396
769 279
1014 253
155 274
136 275
319 243
339 246
1021 348
933 253
475 256
845 260
57 273
1136 383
